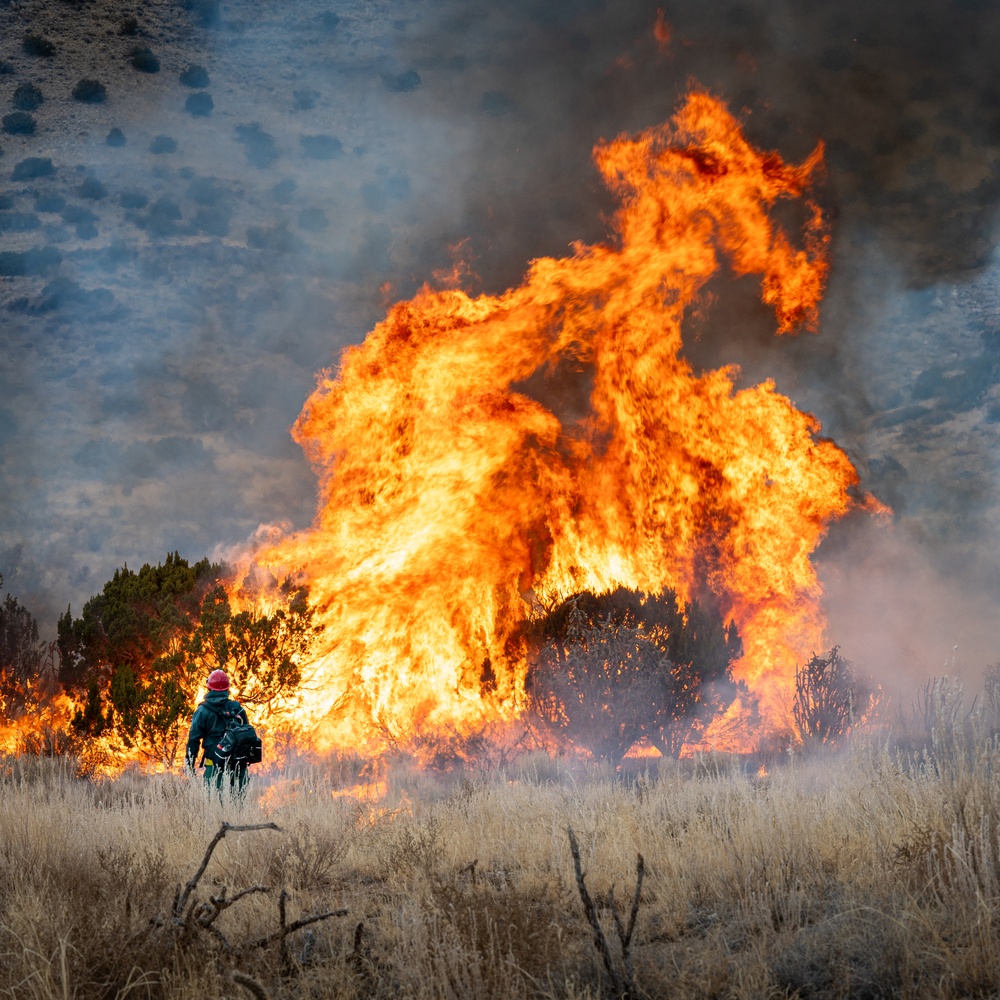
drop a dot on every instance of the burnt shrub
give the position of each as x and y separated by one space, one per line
259 146
32 168
92 189
145 61
401 83
27 97
199 105
196 77
128 26
38 45
321 147
19 123
831 699
163 144
116 138
90 92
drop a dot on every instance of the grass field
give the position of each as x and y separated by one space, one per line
872 873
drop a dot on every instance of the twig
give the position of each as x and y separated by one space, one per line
623 985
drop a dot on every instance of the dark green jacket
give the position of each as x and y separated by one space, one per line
208 725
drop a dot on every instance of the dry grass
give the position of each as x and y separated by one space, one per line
872 874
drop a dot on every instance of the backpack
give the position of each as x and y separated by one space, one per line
240 743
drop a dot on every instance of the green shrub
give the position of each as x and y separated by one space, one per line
19 123
38 45
195 76
90 92
144 61
27 97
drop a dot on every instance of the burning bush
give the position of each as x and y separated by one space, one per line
138 656
830 699
610 670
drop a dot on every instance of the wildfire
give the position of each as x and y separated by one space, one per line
454 493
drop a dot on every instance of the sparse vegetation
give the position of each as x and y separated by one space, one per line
27 97
92 189
116 138
196 77
259 146
199 105
19 123
865 875
401 83
128 26
90 92
145 61
32 168
163 144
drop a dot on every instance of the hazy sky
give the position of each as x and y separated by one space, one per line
183 288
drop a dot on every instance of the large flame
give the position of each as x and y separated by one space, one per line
452 498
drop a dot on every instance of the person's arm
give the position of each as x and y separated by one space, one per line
195 737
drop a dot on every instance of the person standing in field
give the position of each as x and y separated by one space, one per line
208 725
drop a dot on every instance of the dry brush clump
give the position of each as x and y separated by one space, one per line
867 873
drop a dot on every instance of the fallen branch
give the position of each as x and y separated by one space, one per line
181 898
622 983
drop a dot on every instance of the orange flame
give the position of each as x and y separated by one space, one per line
453 495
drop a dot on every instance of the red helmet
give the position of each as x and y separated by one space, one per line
218 681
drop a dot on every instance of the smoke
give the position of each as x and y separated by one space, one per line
162 336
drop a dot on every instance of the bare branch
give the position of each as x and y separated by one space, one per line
250 985
181 900
600 941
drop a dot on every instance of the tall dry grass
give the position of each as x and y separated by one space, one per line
869 874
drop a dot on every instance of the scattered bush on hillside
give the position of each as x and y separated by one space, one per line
6 68
92 189
163 144
90 92
207 13
199 105
145 61
32 168
19 123
128 26
259 146
38 45
27 97
116 138
195 76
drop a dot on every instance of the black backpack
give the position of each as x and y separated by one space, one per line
240 743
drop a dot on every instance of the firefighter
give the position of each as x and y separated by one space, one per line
207 727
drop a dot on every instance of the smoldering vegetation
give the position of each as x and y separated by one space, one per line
871 873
